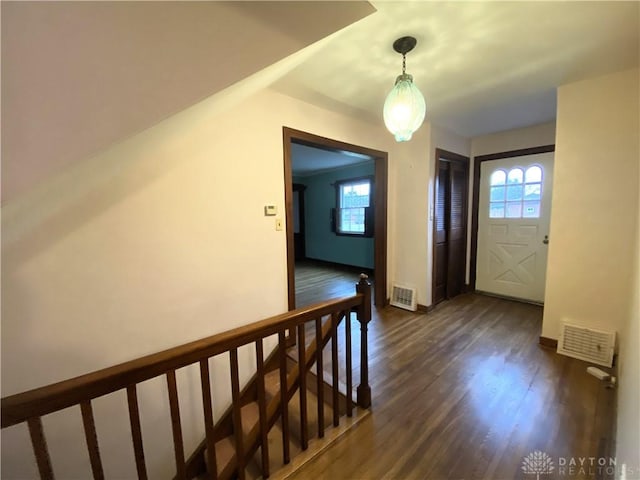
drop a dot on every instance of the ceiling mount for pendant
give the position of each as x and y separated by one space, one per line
405 108
404 45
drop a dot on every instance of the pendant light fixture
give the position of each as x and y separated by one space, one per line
404 108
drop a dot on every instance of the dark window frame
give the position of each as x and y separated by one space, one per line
368 216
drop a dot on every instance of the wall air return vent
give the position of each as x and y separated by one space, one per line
404 297
593 346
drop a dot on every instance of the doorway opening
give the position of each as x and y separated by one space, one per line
352 211
450 225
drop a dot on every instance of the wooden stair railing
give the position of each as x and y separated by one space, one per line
32 405
255 388
274 411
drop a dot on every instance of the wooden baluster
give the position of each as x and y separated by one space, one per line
364 316
302 372
262 409
319 377
335 318
40 448
178 446
92 440
347 341
207 405
237 415
284 408
136 431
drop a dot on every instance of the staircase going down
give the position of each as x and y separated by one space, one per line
291 407
309 406
225 448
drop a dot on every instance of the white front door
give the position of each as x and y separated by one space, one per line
513 226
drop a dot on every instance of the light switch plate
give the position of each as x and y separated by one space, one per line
270 210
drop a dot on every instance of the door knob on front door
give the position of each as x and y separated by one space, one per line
546 240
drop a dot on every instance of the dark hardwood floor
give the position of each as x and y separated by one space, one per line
316 282
466 392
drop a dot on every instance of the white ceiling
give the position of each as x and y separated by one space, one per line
79 76
482 66
310 161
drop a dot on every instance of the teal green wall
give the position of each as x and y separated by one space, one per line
319 199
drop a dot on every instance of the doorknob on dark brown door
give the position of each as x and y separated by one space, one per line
546 240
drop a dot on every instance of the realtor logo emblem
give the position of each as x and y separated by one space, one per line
537 463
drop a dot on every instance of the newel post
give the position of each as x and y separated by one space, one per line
364 316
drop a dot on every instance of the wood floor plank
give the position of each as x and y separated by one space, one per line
466 392
315 283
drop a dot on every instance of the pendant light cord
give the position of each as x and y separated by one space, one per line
404 63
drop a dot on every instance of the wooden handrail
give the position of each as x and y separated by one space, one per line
32 405
41 401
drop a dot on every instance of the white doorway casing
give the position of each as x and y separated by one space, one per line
512 252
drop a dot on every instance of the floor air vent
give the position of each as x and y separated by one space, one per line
593 346
404 297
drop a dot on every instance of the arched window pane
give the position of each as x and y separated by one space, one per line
497 194
496 210
498 177
532 192
515 176
531 209
514 193
514 210
534 174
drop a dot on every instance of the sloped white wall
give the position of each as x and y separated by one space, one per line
168 245
157 241
79 76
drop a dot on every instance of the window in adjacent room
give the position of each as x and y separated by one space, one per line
353 215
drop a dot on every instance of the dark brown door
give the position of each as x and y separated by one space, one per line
450 225
441 240
456 257
299 241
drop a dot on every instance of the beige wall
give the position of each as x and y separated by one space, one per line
628 431
628 438
157 241
413 258
593 271
594 209
410 197
519 138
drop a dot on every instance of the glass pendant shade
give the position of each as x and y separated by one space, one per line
404 108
